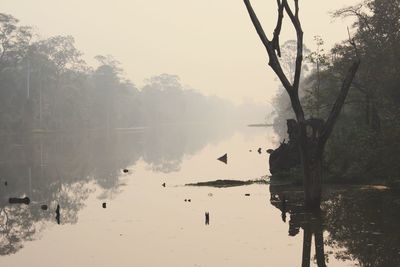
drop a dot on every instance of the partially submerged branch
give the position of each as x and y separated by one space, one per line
229 183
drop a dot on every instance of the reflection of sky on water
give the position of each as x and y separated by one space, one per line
146 224
66 168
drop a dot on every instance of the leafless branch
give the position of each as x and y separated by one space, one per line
353 11
273 59
291 88
277 31
257 24
299 32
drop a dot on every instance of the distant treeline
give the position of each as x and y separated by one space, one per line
46 84
366 140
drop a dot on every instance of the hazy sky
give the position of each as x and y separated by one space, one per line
210 44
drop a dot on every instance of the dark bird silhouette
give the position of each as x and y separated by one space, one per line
163 184
224 158
104 205
44 207
259 150
125 170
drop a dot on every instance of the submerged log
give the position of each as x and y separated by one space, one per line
228 183
17 200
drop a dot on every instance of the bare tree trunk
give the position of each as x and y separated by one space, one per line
312 169
311 148
319 245
307 239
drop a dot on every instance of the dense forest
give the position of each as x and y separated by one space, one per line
47 85
365 143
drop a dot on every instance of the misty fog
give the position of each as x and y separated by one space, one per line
199 133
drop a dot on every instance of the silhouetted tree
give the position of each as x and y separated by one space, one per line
311 138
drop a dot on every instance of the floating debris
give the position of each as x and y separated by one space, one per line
58 214
44 207
163 184
104 205
260 125
224 158
229 183
17 200
207 216
125 170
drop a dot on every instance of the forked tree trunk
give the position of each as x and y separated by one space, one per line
311 150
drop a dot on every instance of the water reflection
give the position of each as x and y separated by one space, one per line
60 171
354 225
364 226
289 200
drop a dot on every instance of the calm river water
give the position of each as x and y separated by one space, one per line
146 224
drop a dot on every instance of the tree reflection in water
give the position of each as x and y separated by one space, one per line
288 200
62 169
20 223
360 225
364 226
